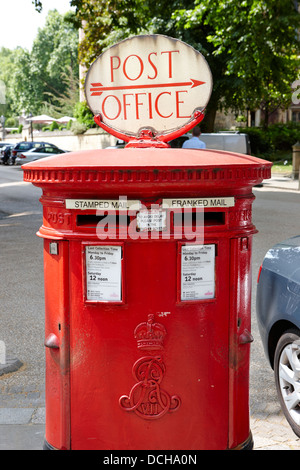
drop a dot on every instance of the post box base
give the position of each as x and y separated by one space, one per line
48 446
246 445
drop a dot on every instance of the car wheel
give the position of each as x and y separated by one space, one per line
287 376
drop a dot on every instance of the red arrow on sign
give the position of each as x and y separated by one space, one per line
97 88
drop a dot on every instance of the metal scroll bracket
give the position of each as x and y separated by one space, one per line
148 137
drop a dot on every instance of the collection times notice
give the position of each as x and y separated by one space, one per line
104 273
197 272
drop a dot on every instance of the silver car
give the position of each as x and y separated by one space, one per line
33 154
278 315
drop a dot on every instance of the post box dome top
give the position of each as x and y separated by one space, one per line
150 82
132 170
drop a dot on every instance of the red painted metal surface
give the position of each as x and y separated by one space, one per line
147 370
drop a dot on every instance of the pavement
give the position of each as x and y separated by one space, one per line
22 408
282 181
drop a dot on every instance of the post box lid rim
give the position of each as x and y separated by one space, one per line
135 159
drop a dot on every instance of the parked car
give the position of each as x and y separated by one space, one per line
24 147
5 153
278 315
3 145
33 154
229 141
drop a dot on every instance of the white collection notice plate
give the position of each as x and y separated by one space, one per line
197 272
104 273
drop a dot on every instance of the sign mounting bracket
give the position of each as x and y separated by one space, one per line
147 137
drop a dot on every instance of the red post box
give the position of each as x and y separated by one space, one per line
147 332
147 262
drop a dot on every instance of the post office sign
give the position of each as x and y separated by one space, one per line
149 81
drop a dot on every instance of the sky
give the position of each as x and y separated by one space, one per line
19 21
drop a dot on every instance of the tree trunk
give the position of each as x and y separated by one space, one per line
266 117
208 123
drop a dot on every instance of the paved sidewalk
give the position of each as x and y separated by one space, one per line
22 422
270 429
23 429
22 418
281 181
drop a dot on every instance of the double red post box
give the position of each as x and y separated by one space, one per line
147 261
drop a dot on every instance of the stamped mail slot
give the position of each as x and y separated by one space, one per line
93 220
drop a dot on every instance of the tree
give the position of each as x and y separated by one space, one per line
6 70
26 88
105 22
47 73
251 45
38 5
55 58
254 45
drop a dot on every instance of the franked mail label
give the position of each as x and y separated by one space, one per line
186 203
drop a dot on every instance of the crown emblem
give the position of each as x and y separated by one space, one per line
150 335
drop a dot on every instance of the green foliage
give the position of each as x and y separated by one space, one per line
48 74
78 127
6 70
11 122
251 45
53 126
252 49
38 5
284 136
26 88
259 140
106 22
83 115
278 137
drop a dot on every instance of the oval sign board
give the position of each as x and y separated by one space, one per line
153 82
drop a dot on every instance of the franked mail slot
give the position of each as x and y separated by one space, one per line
195 218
